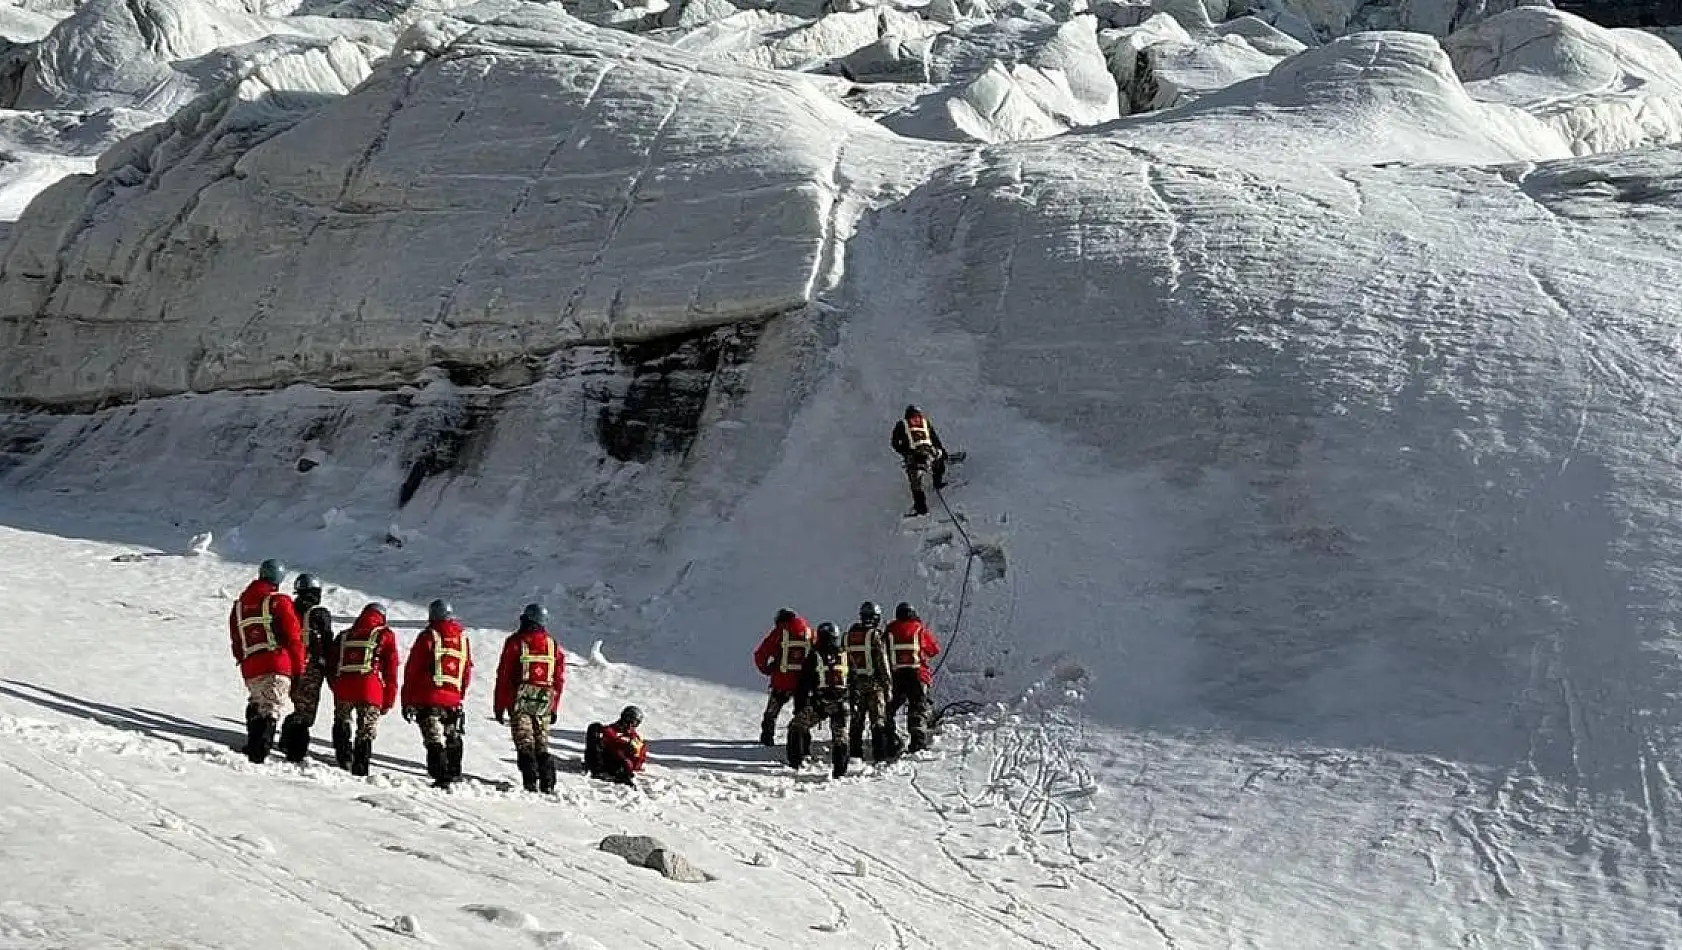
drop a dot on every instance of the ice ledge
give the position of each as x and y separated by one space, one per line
500 188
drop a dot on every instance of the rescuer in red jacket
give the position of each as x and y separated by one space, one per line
267 645
781 655
910 646
435 682
364 677
529 681
616 752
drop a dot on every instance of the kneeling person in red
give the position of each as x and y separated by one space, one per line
616 752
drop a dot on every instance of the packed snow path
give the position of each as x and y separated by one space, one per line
1029 827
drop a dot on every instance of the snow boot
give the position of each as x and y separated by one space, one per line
768 732
546 774
361 756
294 739
528 770
452 760
891 747
798 746
855 736
261 737
593 748
437 766
879 744
341 744
838 756
919 742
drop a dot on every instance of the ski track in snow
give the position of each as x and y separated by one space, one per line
263 875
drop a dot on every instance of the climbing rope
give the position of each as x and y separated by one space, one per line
960 707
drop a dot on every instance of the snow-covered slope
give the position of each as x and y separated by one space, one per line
156 55
1311 556
1602 90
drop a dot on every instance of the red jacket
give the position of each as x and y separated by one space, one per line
624 744
910 644
271 641
782 654
363 662
440 667
535 645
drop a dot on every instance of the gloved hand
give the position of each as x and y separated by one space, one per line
553 717
408 714
501 717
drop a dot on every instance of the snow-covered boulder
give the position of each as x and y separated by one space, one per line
155 55
1160 63
499 188
1602 90
1056 80
1366 97
774 40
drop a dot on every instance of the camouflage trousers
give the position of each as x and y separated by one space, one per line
439 726
869 702
817 711
530 731
365 716
774 704
306 695
266 695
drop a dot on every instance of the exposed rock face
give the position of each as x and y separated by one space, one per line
654 195
1626 12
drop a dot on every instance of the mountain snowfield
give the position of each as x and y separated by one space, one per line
1308 582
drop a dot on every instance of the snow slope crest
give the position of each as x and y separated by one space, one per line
1368 97
1602 90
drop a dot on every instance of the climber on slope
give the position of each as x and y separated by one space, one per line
919 448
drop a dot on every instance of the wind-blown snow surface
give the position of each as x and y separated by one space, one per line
1319 434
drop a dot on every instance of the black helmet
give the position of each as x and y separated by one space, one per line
376 607
535 615
912 411
786 615
904 612
272 571
870 612
630 716
439 611
306 582
829 634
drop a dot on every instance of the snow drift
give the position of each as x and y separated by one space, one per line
1601 90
